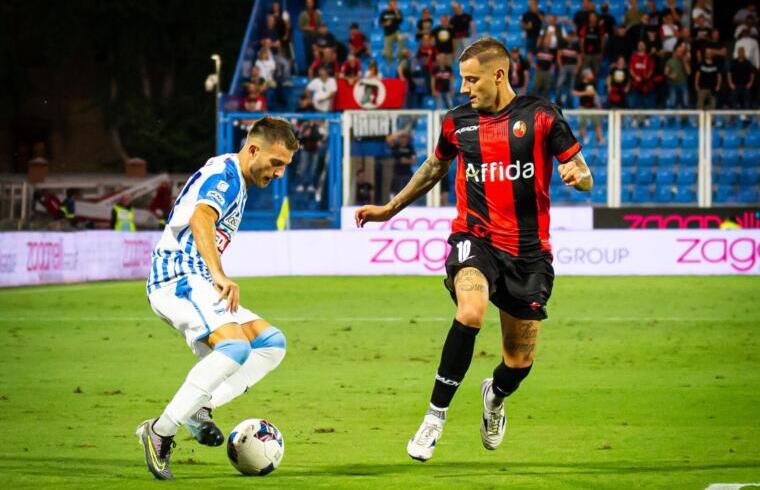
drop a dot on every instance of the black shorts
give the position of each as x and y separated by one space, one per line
518 285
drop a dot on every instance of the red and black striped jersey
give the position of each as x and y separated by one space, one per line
504 170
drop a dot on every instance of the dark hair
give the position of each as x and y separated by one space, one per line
485 50
275 129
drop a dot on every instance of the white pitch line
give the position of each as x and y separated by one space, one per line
730 486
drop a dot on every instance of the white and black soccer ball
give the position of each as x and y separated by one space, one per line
255 447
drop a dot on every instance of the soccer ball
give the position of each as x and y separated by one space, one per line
255 447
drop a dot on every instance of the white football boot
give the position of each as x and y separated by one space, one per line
494 421
422 445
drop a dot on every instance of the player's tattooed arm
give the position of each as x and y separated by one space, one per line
430 172
575 172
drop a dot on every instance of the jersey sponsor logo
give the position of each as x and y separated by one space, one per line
498 172
467 129
519 129
222 240
215 196
222 186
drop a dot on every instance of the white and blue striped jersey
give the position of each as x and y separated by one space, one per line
219 184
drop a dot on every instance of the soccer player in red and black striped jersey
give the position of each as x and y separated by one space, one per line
500 247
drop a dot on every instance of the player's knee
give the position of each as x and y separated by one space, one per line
237 350
471 313
271 337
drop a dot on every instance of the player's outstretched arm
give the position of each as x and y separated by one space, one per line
203 228
430 172
576 173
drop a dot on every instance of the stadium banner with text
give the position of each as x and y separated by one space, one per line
422 218
677 217
47 258
388 93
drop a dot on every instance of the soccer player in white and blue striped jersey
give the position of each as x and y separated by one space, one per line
188 289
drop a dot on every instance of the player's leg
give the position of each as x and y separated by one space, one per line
471 288
268 346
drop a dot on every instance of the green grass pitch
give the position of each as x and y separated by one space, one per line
639 383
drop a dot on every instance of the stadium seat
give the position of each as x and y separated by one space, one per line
685 195
731 139
750 157
749 195
599 193
627 176
752 139
686 176
625 194
649 139
481 24
729 157
641 194
749 176
500 8
664 176
689 139
689 155
667 158
669 139
628 154
727 176
629 140
428 102
644 176
646 158
663 194
724 194
482 9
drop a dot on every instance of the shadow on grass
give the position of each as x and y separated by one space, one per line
124 468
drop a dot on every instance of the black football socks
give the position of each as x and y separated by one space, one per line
455 360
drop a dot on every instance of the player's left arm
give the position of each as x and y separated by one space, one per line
575 172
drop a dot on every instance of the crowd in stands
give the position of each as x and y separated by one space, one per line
649 57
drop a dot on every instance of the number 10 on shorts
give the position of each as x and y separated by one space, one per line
463 250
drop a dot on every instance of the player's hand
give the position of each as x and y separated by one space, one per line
366 214
571 174
230 290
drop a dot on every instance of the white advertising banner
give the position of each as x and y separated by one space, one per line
421 218
45 258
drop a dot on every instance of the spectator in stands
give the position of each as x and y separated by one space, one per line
351 69
325 39
443 88
580 19
254 101
632 16
750 25
543 64
424 24
357 41
653 13
308 21
369 87
618 45
618 84
327 59
751 51
707 82
426 53
585 90
672 9
741 80
700 36
669 33
322 90
364 189
463 27
390 20
702 10
267 67
567 68
741 15
718 49
404 157
270 30
531 21
404 72
607 20
443 35
311 138
519 71
677 72
257 78
553 31
304 103
641 70
282 26
592 44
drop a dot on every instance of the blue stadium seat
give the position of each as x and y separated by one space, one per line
667 158
481 24
749 195
724 194
481 9
731 139
428 102
717 137
649 139
664 176
500 8
663 194
514 40
641 194
727 176
628 154
750 157
644 175
689 155
729 157
685 195
749 176
669 138
646 158
689 139
686 176
629 140
625 194
599 193
627 176
752 139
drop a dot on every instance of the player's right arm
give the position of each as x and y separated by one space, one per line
424 179
203 228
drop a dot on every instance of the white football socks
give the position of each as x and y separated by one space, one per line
492 401
201 381
259 363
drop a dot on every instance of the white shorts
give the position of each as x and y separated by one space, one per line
192 306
